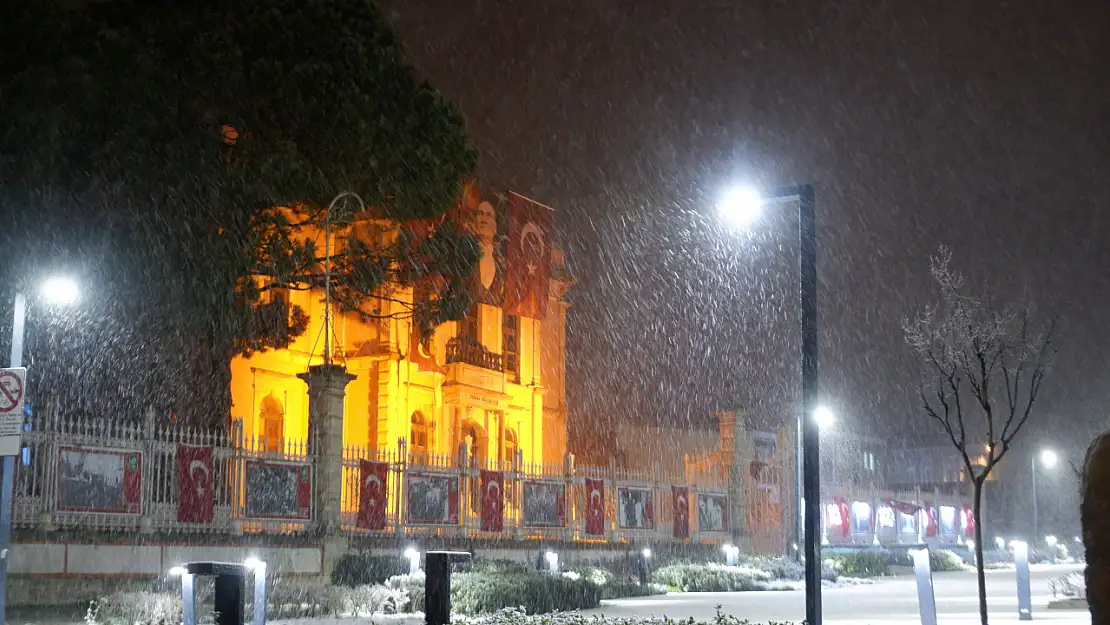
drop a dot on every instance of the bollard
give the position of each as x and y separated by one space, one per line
230 591
926 599
437 584
1024 596
644 569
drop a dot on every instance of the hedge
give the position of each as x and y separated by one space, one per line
861 563
362 569
534 592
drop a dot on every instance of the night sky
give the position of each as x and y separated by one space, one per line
980 125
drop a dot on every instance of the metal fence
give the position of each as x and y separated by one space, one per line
104 475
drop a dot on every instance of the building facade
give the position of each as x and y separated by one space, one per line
492 382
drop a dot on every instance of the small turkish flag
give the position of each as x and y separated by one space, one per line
372 494
681 497
493 501
595 507
195 499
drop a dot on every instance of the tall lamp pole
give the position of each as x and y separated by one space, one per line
743 206
61 291
1048 459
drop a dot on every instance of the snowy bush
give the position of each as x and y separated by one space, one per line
136 608
512 616
533 592
712 577
413 586
944 560
360 569
861 563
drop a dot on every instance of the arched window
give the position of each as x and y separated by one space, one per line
511 445
272 414
419 435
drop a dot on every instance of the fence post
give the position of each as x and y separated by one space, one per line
464 489
518 464
568 501
402 484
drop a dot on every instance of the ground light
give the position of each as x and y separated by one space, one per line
552 559
413 556
646 552
176 571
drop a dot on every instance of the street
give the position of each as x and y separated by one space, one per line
892 600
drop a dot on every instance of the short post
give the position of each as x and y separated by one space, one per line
230 590
926 600
437 584
644 570
1024 596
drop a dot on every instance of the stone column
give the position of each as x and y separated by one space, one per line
327 386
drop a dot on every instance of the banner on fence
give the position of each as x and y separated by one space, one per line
493 500
433 499
92 480
196 499
279 490
373 495
712 512
635 508
545 504
680 497
595 507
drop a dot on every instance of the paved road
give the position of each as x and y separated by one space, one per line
891 600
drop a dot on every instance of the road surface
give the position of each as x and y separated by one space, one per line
892 600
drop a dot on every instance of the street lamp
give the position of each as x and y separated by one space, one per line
56 290
1048 459
824 417
741 206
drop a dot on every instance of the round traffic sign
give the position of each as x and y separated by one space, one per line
11 392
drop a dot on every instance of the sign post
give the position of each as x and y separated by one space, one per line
1024 596
926 600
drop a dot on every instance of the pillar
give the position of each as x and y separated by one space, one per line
327 386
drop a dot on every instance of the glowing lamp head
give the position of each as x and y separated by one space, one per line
412 553
647 553
741 206
824 417
177 571
61 291
1048 458
252 563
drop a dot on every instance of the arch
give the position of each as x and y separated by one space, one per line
512 444
474 436
272 416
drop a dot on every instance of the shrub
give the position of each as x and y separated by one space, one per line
533 592
861 563
512 616
778 568
413 586
944 560
361 569
626 590
136 608
711 578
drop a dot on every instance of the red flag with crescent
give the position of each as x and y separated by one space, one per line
680 495
595 507
372 495
930 520
968 522
845 517
195 495
493 500
528 258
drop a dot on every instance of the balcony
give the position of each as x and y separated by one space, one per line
471 352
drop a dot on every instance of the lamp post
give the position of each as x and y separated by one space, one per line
742 206
1048 459
57 290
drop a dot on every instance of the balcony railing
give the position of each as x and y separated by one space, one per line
471 352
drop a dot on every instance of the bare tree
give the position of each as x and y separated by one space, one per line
982 372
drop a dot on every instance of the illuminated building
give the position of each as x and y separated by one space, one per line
493 381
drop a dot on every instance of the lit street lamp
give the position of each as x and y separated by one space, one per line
56 290
1048 460
741 207
824 417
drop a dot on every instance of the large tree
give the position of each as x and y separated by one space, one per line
982 371
174 133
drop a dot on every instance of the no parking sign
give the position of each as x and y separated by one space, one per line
13 388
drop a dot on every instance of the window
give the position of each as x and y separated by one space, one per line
273 424
868 461
511 445
468 326
510 345
419 435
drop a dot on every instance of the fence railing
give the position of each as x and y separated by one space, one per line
100 475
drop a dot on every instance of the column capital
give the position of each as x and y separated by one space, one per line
331 376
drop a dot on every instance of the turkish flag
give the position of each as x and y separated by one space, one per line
372 494
528 258
969 522
930 520
907 509
493 500
195 498
595 507
680 495
845 517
